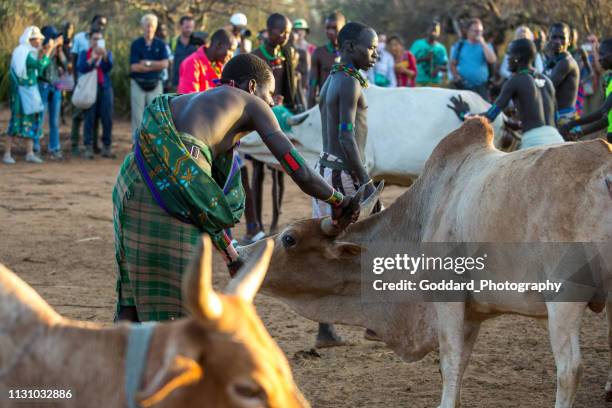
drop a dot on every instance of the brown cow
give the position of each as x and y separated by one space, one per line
221 356
468 192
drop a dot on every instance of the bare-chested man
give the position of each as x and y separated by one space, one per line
563 71
343 115
533 95
324 57
602 117
283 60
182 180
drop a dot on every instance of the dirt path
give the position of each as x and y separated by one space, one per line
56 233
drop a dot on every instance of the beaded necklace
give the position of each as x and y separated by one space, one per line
350 71
216 68
331 48
275 60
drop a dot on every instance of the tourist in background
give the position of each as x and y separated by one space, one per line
470 60
182 47
48 79
80 43
28 59
148 59
383 73
405 62
431 57
99 58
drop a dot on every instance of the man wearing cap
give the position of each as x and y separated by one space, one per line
304 50
51 96
325 56
80 43
300 26
201 69
239 23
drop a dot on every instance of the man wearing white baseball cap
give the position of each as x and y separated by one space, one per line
239 29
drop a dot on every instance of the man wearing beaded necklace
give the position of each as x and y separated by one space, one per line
533 95
325 56
283 60
343 115
564 72
182 180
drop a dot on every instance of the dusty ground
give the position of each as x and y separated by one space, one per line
56 233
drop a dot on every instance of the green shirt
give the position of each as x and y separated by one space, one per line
34 69
421 48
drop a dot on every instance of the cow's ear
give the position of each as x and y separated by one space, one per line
178 372
344 250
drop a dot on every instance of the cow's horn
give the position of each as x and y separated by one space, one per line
200 298
298 119
367 206
331 229
248 280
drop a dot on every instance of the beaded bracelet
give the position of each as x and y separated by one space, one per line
346 126
335 199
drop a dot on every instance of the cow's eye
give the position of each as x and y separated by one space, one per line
288 241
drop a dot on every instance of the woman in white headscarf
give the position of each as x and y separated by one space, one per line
27 62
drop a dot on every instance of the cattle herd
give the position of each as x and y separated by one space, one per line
222 356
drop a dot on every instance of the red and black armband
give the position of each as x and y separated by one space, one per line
292 161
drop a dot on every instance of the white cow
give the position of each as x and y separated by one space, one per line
405 124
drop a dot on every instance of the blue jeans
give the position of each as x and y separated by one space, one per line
52 98
103 110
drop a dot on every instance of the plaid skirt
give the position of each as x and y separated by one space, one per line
152 249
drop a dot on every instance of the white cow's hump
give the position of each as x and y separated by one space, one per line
404 126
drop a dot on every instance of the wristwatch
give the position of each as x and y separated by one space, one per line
148 63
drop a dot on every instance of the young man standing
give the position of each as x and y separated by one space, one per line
283 60
325 56
564 72
201 69
344 118
533 95
431 57
602 117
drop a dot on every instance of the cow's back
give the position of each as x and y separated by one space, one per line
553 193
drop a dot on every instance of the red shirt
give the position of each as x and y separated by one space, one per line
408 61
196 73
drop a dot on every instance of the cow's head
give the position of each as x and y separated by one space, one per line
224 356
308 253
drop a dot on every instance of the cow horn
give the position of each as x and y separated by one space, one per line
367 206
200 298
331 229
298 119
248 280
